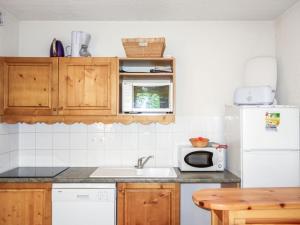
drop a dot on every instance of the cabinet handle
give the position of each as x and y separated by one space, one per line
61 108
54 109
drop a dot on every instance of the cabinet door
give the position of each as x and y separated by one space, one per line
148 204
88 86
25 204
29 85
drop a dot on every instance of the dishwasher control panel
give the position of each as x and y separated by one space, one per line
102 195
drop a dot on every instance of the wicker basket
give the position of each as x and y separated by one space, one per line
199 144
144 47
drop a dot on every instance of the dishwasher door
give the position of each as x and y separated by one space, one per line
83 204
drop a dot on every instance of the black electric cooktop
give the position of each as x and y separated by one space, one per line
33 172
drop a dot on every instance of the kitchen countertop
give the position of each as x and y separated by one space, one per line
81 175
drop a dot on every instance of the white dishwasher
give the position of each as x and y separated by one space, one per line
84 204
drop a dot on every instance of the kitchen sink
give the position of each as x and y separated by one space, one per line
133 172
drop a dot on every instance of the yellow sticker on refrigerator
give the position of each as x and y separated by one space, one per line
272 120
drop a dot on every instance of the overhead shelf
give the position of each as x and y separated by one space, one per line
139 64
147 59
146 74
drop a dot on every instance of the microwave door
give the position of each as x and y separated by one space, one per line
199 159
152 97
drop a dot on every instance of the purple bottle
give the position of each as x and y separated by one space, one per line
57 49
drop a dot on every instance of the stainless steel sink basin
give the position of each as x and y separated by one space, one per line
132 172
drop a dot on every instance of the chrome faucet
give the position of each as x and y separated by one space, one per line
141 162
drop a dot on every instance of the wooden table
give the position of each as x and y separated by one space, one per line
251 205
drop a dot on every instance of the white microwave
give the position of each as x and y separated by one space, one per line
147 96
201 159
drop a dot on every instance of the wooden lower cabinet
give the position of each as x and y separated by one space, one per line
25 204
148 204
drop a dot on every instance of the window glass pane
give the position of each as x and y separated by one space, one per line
151 97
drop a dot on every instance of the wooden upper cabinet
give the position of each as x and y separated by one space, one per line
29 86
148 204
88 86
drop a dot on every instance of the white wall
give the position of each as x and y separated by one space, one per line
288 54
9 46
9 35
210 55
210 61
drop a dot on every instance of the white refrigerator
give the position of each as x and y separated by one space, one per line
263 145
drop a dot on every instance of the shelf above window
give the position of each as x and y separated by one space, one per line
146 74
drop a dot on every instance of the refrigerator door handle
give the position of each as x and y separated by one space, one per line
271 150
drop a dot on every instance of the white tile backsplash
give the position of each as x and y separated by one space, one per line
43 128
164 140
113 128
113 141
113 158
26 141
101 145
147 129
129 158
43 140
4 161
44 158
78 128
5 143
60 128
61 157
14 159
9 155
164 157
61 140
147 142
14 141
78 158
27 157
96 128
130 141
26 128
95 141
130 128
78 141
96 158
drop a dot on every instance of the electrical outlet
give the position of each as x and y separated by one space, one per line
1 19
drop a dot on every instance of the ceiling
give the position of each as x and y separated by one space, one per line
152 10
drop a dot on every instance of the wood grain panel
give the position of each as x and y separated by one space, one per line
97 80
125 119
1 85
251 205
245 198
25 204
148 204
151 207
30 86
88 86
74 81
